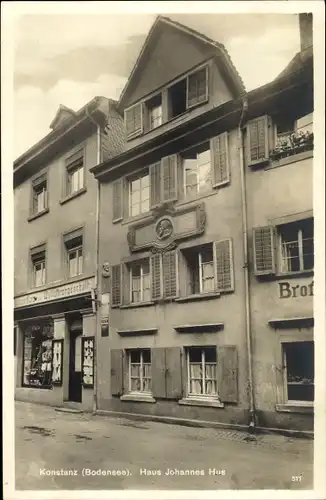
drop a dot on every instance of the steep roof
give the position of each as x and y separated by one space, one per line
297 62
220 51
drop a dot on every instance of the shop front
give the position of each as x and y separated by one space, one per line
55 345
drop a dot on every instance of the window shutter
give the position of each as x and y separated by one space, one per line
156 275
117 199
264 241
257 141
227 373
173 372
125 280
183 275
134 120
46 199
197 87
169 265
116 285
223 257
220 159
169 178
155 184
116 372
158 372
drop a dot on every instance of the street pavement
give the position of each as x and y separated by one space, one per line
75 451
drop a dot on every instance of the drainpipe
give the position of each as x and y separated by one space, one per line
97 263
252 418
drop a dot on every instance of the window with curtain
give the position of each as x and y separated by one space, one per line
202 371
139 363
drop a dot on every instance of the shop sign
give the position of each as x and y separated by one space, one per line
290 290
56 293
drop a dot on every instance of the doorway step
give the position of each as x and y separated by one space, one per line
70 407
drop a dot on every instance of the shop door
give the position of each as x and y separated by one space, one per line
75 367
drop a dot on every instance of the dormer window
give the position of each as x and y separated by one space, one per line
155 112
177 98
188 92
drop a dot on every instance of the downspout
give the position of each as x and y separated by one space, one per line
97 262
252 410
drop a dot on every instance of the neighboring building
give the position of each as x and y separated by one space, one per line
196 323
55 231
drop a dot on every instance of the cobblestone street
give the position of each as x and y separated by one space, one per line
126 454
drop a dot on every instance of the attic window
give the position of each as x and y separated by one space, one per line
178 98
154 110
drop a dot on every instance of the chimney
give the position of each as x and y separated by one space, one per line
305 23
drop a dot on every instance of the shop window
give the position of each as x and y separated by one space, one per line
139 194
297 246
37 355
140 281
298 363
197 170
154 111
75 173
202 371
38 258
139 364
74 253
200 269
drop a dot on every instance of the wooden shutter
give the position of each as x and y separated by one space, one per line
134 120
183 275
227 373
223 258
116 285
197 87
264 241
220 160
117 200
169 268
155 262
173 372
116 372
125 280
257 141
169 179
158 372
155 184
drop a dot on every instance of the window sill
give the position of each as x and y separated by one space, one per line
201 402
188 201
43 387
138 398
199 296
139 304
290 159
136 218
73 195
39 214
140 331
296 407
295 274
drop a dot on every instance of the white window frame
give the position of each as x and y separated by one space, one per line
286 260
198 193
288 401
139 177
36 263
36 194
81 179
141 377
154 119
142 274
79 253
204 379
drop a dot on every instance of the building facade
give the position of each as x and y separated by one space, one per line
195 253
55 227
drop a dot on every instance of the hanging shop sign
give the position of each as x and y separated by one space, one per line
88 361
56 293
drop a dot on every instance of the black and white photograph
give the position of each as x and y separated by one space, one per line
163 181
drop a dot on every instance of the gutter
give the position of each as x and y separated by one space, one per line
97 294
252 409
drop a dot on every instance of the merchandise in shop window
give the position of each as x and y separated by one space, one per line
38 355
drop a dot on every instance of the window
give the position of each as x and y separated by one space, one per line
200 269
38 266
140 281
177 95
154 109
285 127
297 246
37 355
74 253
202 371
75 172
197 170
134 120
298 363
139 194
139 363
39 197
197 87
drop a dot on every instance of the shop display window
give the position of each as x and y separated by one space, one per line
37 359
